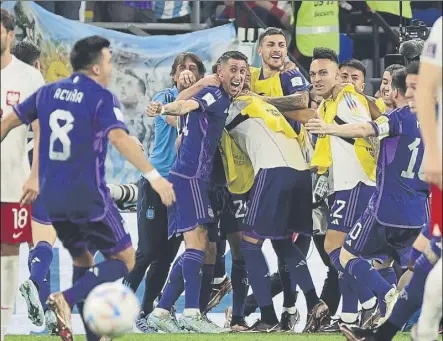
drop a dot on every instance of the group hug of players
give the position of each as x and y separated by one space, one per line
238 148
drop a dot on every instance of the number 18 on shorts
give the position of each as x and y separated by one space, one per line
15 223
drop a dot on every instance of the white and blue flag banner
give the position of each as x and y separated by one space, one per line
141 65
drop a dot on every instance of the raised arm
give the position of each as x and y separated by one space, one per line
318 126
296 101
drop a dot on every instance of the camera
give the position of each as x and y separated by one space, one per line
412 40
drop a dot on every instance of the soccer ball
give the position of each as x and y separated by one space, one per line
111 309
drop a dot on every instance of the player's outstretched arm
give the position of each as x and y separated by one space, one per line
302 115
126 145
211 80
9 122
296 101
318 126
176 108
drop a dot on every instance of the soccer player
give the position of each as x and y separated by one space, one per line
190 174
37 288
384 228
155 250
77 116
18 81
351 172
430 83
384 102
270 81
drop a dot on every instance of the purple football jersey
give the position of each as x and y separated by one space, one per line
202 130
75 115
401 196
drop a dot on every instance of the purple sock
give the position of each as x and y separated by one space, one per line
298 269
391 277
411 297
258 273
367 275
289 288
192 274
206 289
40 262
349 296
220 262
78 272
240 287
174 287
107 271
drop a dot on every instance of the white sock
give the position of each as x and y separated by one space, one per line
9 285
369 304
191 312
291 310
349 317
431 312
159 312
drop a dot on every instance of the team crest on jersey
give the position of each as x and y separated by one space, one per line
12 98
150 213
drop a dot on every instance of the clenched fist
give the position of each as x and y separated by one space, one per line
154 109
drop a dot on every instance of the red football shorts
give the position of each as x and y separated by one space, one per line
436 211
15 223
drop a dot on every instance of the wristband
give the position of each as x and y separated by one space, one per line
152 175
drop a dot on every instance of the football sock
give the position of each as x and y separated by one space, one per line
391 277
288 292
192 274
240 287
206 285
220 262
259 279
9 285
40 262
107 271
367 275
174 287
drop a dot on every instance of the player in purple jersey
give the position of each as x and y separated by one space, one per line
77 116
191 174
385 227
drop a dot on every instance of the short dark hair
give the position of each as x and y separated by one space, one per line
7 20
26 51
412 68
214 67
399 81
88 51
325 53
394 67
354 63
271 31
182 57
237 55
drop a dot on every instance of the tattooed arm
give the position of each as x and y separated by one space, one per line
297 101
302 115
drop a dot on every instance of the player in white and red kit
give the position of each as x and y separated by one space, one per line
18 81
429 86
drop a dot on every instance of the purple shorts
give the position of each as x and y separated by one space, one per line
370 239
192 208
108 235
348 206
39 213
280 203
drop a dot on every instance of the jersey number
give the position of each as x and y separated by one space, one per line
241 208
20 218
340 206
409 173
60 133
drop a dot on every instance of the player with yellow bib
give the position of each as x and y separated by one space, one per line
350 165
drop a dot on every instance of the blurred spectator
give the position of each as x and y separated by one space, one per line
270 12
316 24
173 11
67 9
131 11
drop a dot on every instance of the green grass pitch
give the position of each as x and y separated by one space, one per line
196 337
